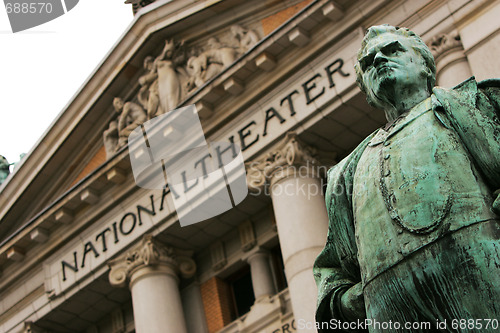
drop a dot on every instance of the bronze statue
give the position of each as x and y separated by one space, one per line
414 209
4 169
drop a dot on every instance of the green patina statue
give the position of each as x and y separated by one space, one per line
4 169
414 209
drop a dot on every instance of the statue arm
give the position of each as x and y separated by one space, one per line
122 122
138 113
491 90
148 78
335 271
473 110
143 96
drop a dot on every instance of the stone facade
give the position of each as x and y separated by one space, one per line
83 249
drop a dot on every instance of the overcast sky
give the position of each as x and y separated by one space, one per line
43 67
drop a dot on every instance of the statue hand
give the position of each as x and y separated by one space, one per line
353 303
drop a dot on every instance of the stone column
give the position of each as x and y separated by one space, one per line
452 66
152 272
262 277
294 178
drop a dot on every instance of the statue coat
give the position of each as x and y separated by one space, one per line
408 197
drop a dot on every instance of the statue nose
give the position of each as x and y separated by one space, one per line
379 59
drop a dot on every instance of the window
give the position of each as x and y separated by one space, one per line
279 268
242 291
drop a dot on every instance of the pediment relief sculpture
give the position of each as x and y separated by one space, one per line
110 139
246 38
131 116
169 77
209 63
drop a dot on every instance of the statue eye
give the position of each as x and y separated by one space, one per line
366 61
393 48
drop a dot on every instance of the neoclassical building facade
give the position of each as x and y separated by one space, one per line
83 248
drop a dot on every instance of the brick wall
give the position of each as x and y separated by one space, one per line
217 302
272 22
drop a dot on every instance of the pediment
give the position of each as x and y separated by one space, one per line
223 56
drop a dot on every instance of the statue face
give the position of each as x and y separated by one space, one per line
169 49
390 62
148 64
118 104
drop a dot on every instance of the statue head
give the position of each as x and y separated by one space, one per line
169 49
213 43
148 63
392 57
118 104
237 30
4 164
4 169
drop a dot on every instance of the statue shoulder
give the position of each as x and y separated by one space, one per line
491 88
483 95
348 164
336 169
472 86
462 95
489 83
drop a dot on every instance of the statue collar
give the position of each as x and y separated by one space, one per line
403 120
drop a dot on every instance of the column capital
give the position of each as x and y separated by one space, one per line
444 43
256 252
154 256
286 159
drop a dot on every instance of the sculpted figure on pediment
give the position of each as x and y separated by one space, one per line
172 77
131 116
169 77
220 54
246 38
197 67
110 139
209 63
148 94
